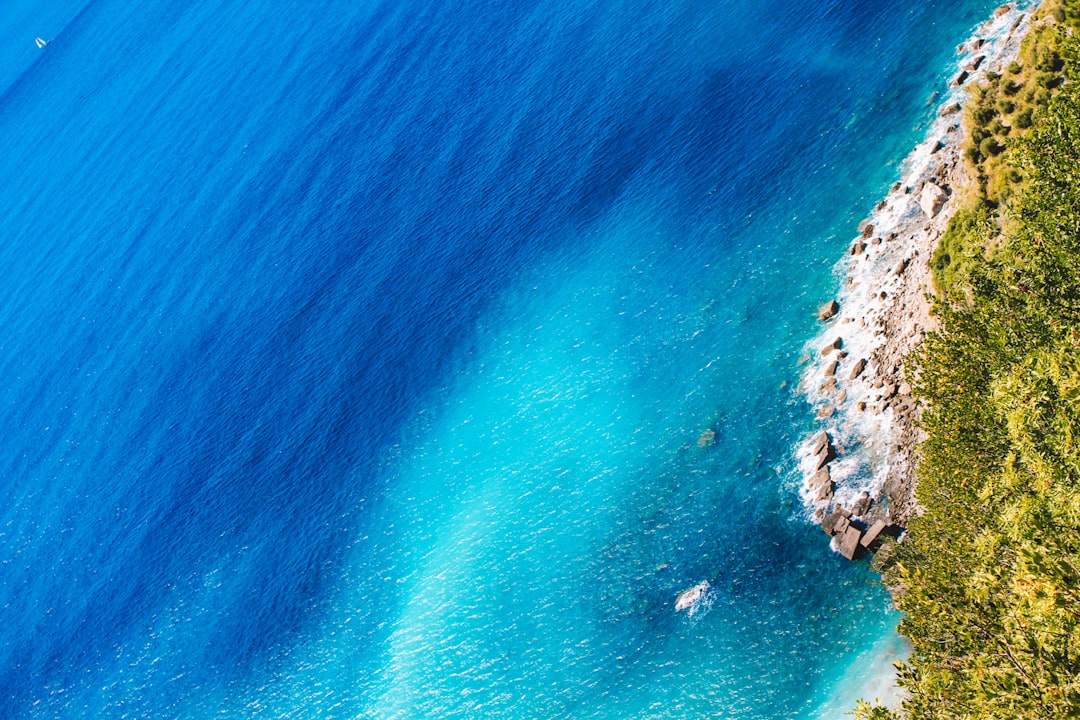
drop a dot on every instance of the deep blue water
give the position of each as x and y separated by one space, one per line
353 356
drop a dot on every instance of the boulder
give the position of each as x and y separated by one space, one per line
821 485
821 442
868 230
931 199
829 310
905 388
826 411
829 386
836 344
860 406
821 477
862 505
830 369
849 543
824 455
974 64
856 371
858 248
951 109
835 522
961 78
872 534
900 267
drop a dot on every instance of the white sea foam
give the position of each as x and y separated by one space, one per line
866 441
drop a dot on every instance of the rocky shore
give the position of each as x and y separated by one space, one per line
858 467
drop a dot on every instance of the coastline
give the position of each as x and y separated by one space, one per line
858 465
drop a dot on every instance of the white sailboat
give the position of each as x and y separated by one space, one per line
40 43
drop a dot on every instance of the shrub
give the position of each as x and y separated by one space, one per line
983 114
1023 119
1007 107
990 147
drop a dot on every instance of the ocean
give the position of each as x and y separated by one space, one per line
406 360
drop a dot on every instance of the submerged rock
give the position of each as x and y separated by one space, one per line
688 599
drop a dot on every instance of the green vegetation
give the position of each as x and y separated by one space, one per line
989 575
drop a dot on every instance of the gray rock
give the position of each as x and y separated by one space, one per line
900 267
905 388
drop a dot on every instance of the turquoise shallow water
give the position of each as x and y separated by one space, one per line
355 357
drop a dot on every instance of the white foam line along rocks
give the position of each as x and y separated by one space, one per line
858 466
